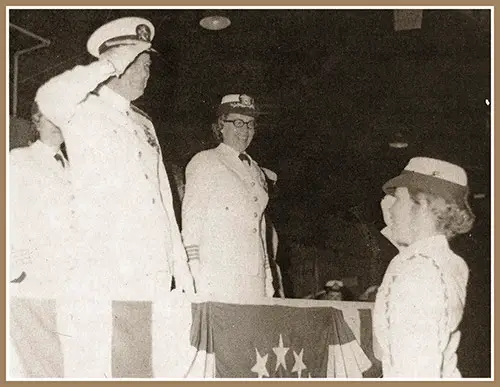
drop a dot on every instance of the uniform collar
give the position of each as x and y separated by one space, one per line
46 149
433 246
231 151
114 99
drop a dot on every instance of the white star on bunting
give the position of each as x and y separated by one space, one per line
260 365
280 352
299 365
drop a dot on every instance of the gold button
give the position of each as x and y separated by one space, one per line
139 154
154 201
255 214
252 183
255 198
254 230
146 176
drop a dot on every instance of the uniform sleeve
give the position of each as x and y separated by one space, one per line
60 96
195 203
20 252
416 313
179 252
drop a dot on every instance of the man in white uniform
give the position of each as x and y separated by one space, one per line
128 244
223 223
421 300
40 226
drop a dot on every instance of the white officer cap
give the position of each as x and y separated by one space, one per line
120 31
433 176
238 103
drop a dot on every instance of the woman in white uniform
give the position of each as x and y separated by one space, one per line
223 222
421 300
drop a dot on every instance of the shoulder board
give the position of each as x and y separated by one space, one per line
139 111
271 175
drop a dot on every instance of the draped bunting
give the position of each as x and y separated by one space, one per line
274 338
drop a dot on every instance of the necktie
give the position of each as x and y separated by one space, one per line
59 158
243 157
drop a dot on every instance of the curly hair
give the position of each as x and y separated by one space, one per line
451 219
217 127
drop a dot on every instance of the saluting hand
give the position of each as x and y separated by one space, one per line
123 55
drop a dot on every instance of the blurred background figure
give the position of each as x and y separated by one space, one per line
333 290
369 294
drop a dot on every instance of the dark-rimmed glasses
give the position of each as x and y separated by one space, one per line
240 123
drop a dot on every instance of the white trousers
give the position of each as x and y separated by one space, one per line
85 328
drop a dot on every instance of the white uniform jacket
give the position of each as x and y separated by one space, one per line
40 200
417 311
128 239
223 224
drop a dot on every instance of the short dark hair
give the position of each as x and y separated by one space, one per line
36 114
217 126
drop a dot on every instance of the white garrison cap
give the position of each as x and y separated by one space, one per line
433 176
125 30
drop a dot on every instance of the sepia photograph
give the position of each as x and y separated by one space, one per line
249 193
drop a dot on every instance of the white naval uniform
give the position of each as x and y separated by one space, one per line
417 311
223 225
128 240
40 226
40 197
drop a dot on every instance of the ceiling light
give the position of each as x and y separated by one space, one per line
215 22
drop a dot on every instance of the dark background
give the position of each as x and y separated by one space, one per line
335 87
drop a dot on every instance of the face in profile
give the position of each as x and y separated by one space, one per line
135 78
50 134
411 218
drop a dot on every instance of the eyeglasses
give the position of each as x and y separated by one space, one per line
240 123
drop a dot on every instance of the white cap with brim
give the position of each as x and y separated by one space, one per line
121 31
238 103
433 176
336 284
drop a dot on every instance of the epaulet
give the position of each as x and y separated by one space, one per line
139 111
271 175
